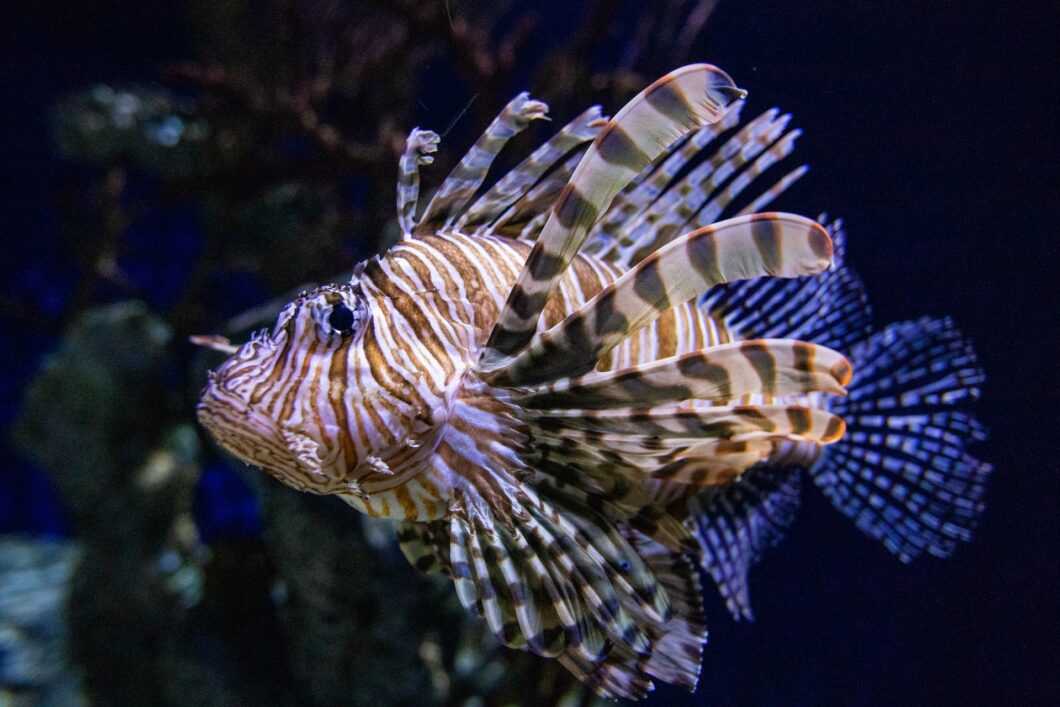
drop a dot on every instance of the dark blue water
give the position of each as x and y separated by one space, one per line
931 130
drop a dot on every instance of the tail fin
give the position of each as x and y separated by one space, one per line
902 472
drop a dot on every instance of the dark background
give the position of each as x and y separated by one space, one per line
933 132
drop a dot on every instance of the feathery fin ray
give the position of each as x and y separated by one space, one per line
778 245
774 367
671 107
460 186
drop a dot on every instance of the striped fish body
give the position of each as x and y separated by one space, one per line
435 299
534 385
376 409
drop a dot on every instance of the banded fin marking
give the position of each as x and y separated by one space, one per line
670 206
774 367
678 644
688 461
720 200
419 148
903 473
467 176
670 215
516 183
780 245
714 463
519 599
650 183
779 187
830 309
497 608
678 652
524 218
425 546
687 422
674 105
545 558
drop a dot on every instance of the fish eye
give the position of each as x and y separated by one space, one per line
341 319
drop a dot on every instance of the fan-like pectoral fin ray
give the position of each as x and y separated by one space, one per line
684 444
673 106
677 650
713 463
565 581
460 186
551 562
425 545
688 422
781 245
772 367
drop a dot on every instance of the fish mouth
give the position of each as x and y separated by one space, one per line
256 438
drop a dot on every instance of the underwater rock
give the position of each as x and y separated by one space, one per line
34 583
103 418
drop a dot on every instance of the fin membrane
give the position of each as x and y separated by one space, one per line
902 472
650 183
735 523
549 555
677 644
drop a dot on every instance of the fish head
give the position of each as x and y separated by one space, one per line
284 402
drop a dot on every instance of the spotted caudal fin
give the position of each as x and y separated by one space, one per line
902 472
644 129
760 245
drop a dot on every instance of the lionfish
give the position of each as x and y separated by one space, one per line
572 389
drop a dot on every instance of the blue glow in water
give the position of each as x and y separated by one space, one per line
225 504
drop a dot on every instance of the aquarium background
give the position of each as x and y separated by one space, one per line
932 131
